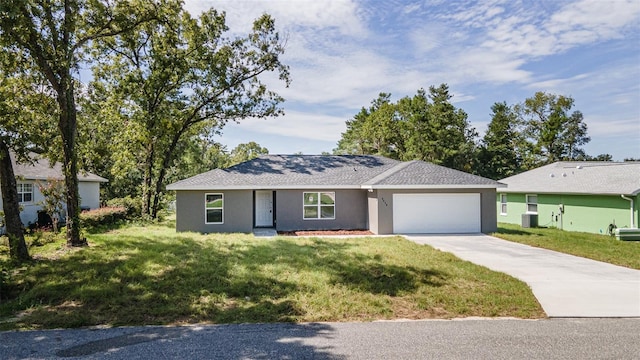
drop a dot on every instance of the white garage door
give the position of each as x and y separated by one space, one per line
436 213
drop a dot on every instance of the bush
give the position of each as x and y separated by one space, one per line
133 206
43 236
103 216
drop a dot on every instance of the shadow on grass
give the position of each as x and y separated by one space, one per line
134 280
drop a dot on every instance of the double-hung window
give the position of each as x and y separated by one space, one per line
214 208
503 204
319 205
25 193
532 204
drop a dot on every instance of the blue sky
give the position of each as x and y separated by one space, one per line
343 53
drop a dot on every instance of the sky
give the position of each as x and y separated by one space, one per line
343 53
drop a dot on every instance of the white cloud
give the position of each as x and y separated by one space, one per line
339 14
299 124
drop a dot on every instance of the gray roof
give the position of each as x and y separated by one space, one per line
41 169
330 171
578 177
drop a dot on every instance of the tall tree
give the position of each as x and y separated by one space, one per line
53 35
365 133
24 106
553 133
246 151
499 153
441 134
181 78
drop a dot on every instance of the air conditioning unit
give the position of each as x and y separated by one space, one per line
529 220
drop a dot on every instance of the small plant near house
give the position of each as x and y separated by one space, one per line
54 194
43 236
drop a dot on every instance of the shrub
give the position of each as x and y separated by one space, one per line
103 216
133 206
43 236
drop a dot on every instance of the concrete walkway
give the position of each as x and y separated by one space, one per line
565 285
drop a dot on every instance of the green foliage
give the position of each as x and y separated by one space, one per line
553 133
244 152
103 216
500 154
148 275
42 237
132 206
425 127
51 37
176 82
54 196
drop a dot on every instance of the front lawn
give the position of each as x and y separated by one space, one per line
139 275
592 246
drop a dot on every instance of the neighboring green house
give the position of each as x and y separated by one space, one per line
583 196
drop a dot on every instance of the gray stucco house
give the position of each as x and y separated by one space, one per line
318 192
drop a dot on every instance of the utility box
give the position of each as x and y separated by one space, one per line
627 234
529 220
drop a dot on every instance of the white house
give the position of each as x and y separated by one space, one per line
29 176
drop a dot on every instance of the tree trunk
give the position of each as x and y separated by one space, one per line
166 161
148 181
68 129
17 246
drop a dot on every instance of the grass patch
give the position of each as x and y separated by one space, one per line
137 275
592 246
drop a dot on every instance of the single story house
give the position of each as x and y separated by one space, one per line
323 192
582 196
29 176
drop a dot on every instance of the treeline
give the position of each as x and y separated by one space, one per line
542 129
163 85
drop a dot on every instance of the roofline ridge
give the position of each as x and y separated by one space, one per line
385 174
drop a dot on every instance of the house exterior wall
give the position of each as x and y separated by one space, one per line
586 213
89 194
372 211
385 207
237 211
350 211
89 198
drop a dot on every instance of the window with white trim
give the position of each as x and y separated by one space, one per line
25 193
319 205
532 204
214 208
503 204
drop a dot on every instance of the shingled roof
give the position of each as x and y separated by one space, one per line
41 169
578 177
330 171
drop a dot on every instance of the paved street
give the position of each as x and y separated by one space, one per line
565 285
438 339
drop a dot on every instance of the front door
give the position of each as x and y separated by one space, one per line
264 208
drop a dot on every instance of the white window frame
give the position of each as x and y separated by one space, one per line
22 192
527 202
503 204
319 205
206 209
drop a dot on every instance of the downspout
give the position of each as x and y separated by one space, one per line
632 209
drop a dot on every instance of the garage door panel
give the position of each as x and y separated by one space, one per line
436 213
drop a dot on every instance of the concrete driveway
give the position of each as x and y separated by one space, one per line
565 285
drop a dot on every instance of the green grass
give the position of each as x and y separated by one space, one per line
137 275
592 246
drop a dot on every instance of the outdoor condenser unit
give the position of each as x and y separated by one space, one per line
529 220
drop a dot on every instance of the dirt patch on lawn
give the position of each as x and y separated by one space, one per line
325 233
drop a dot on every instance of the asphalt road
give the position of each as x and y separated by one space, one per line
448 339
